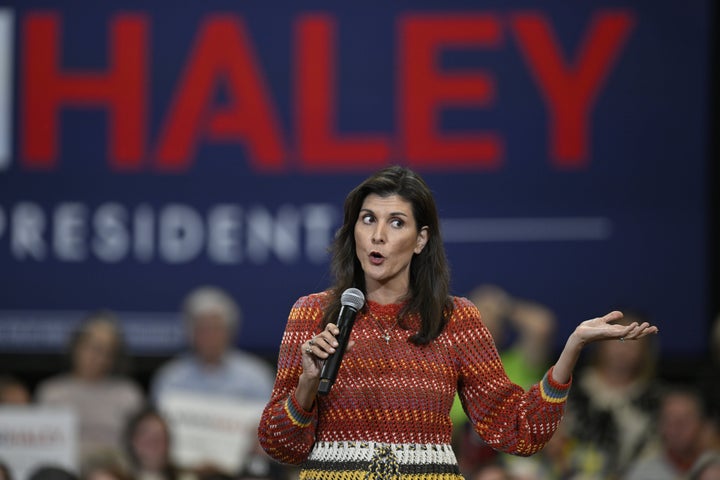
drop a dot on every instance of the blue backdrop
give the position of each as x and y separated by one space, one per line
148 150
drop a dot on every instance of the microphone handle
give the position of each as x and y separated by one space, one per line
346 320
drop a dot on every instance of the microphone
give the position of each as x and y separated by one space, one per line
351 301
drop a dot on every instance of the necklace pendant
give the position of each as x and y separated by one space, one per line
387 338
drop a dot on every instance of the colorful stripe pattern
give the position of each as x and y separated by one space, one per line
387 416
375 460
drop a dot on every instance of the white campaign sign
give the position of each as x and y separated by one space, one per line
211 430
31 437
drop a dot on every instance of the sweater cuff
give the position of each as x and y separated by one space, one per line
552 391
298 415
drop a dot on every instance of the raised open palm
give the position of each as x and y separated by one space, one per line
603 328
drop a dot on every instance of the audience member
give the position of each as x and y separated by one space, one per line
523 331
213 366
147 447
13 391
101 398
681 423
706 468
613 403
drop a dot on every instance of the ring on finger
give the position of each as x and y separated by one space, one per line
622 339
309 350
312 341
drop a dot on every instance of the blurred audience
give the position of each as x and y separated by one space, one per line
613 403
523 332
101 397
147 447
617 424
681 423
563 458
13 391
215 369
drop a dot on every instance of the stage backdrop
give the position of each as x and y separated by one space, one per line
150 147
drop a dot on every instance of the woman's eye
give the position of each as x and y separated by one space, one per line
397 223
367 219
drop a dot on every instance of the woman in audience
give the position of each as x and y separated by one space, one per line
147 446
101 398
614 400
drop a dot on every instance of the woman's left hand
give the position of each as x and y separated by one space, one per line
603 328
593 330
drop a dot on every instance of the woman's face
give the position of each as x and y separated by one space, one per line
95 352
386 238
150 443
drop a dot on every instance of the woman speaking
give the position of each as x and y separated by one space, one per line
412 347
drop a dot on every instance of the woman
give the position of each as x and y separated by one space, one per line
147 445
413 346
102 399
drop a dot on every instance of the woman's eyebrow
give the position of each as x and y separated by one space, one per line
391 214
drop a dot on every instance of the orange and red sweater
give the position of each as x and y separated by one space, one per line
387 415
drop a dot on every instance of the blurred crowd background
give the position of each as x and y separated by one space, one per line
171 176
626 417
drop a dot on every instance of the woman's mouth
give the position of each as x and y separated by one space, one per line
376 258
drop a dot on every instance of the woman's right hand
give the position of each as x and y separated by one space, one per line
316 350
314 353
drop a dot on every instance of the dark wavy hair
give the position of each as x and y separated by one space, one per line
428 294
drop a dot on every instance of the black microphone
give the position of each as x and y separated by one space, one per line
351 301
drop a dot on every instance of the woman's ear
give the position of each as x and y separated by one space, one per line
422 240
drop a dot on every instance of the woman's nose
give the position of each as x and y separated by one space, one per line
378 235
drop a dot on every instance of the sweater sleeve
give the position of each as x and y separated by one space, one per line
507 417
287 431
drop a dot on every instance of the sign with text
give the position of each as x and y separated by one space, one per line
211 430
149 149
34 437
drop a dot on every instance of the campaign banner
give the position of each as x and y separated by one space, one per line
208 430
148 148
34 437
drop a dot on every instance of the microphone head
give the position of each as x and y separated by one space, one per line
353 298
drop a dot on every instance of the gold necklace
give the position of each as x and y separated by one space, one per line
385 333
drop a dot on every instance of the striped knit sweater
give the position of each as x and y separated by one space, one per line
387 415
